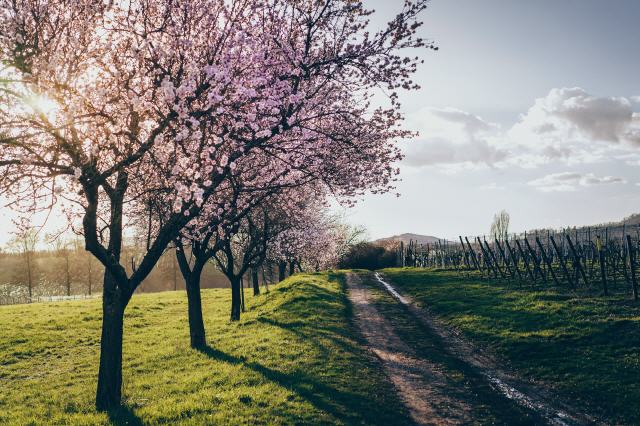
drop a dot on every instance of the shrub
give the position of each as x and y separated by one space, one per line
368 256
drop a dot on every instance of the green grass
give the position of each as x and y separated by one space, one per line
292 359
588 349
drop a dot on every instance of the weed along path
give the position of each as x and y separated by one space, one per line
440 377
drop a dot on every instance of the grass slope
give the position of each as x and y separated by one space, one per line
292 359
586 348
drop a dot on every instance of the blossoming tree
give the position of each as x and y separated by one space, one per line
105 102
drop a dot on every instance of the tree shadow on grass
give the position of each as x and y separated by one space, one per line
297 316
346 406
124 415
325 339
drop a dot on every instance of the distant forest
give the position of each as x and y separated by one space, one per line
65 269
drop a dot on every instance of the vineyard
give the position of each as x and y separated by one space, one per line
593 260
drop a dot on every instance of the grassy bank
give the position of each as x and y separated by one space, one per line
292 359
586 348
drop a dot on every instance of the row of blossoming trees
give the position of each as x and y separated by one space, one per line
213 124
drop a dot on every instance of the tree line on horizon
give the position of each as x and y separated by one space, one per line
63 269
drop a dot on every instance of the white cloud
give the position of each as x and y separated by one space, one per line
472 124
571 181
571 124
568 125
575 113
440 151
453 137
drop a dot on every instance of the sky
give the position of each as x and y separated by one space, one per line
528 106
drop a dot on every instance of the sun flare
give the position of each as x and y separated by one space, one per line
41 104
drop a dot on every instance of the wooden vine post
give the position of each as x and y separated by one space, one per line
512 256
576 261
547 262
603 266
465 254
632 265
473 255
526 261
504 258
494 261
563 264
536 263
487 260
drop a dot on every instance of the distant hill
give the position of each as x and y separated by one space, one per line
405 238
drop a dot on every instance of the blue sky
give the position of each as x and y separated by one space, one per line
528 106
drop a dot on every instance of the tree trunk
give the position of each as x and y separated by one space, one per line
175 275
235 299
192 277
89 277
109 392
282 270
68 275
256 281
265 282
242 293
29 277
292 267
194 301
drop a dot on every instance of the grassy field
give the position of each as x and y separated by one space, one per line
586 348
292 359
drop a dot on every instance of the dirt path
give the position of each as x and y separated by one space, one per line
420 384
453 383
